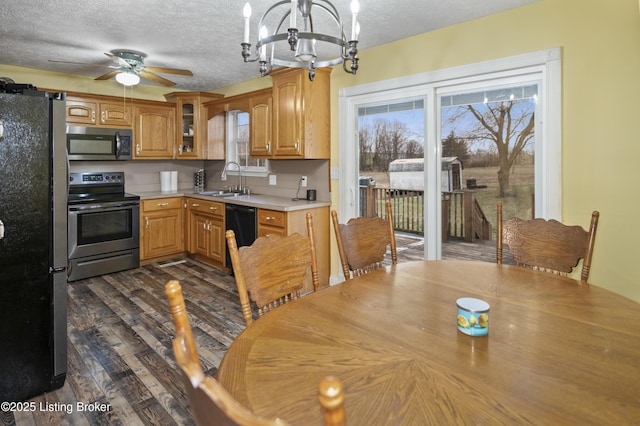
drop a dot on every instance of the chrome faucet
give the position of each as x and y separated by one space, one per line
223 175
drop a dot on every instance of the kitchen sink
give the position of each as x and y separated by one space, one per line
218 193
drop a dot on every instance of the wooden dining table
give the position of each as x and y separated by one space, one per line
557 351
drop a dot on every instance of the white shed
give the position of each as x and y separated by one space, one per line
408 173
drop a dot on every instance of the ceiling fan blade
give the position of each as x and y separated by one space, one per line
169 71
77 63
156 78
108 75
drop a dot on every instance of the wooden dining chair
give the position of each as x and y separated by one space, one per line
210 403
547 244
362 242
272 270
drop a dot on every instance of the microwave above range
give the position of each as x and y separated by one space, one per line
98 143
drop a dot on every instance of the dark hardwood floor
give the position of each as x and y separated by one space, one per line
119 351
120 331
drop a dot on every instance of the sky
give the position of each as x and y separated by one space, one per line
414 121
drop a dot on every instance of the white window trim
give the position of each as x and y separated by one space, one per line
544 64
252 171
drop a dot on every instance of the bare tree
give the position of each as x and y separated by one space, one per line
509 125
413 149
384 141
365 139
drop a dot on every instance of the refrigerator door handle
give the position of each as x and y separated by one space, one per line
1 230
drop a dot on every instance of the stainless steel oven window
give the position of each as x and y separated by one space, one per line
104 226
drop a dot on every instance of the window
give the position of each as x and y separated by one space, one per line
238 146
542 68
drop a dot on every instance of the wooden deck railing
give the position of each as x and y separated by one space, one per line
463 217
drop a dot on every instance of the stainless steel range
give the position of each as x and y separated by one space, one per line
104 225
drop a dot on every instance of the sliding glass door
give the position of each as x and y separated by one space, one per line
491 129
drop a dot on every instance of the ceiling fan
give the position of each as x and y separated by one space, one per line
129 66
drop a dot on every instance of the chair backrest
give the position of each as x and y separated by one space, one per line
547 244
362 242
272 270
210 403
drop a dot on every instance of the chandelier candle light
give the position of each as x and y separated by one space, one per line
301 50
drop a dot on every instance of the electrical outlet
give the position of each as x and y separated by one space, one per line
303 181
272 180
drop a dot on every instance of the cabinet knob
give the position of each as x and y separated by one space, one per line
146 222
268 146
137 149
195 205
269 218
104 116
213 208
163 204
93 116
296 145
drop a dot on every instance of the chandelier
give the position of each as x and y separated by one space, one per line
299 45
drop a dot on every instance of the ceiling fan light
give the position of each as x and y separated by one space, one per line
127 79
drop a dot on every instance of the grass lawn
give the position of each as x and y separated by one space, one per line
522 187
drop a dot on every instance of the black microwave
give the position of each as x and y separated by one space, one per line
98 143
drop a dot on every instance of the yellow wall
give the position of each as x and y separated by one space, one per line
600 41
74 83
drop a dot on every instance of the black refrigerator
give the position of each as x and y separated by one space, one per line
33 240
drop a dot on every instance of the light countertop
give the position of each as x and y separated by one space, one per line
271 202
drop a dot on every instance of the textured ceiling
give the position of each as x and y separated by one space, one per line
202 36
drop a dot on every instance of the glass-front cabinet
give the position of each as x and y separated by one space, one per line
186 145
191 123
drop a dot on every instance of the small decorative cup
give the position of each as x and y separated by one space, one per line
473 316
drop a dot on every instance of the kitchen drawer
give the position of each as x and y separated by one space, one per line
272 218
211 207
161 204
264 230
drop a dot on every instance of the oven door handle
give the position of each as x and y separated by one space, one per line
101 206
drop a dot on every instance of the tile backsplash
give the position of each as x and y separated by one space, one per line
144 176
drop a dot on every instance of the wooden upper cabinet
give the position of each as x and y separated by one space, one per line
216 116
301 116
154 131
191 123
260 106
98 112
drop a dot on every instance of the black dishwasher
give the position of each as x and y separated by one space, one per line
242 221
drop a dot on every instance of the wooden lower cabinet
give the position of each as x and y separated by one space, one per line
273 222
161 228
169 227
286 223
205 231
